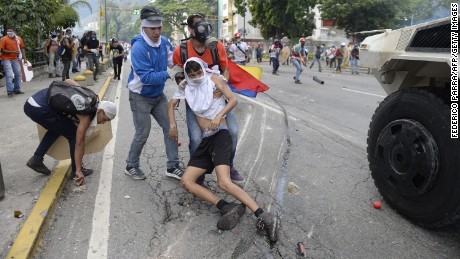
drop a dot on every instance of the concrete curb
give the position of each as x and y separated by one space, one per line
30 235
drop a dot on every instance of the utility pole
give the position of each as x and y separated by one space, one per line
106 32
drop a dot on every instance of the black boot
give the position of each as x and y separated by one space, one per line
36 163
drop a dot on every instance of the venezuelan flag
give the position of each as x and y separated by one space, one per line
245 79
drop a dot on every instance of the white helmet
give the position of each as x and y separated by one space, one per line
343 44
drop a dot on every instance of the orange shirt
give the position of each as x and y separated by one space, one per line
10 44
206 56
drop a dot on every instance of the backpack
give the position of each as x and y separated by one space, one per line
71 100
337 53
317 53
184 54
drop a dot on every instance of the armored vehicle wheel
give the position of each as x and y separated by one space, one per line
414 162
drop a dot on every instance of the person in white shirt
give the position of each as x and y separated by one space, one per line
239 50
215 148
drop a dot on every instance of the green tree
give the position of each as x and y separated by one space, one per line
291 18
175 12
363 15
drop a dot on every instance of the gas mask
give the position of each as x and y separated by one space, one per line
202 34
11 34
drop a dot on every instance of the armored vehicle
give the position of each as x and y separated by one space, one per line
413 160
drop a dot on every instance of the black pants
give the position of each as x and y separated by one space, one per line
117 67
66 69
56 126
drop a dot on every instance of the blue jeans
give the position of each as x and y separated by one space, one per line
298 66
12 68
276 64
142 107
317 60
56 125
354 63
92 61
195 134
339 63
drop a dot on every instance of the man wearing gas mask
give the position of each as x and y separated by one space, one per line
239 50
91 49
200 44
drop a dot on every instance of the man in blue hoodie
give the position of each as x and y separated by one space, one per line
151 54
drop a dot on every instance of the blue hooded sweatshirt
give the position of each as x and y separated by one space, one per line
148 66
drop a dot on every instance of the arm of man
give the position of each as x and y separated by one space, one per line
173 134
121 52
231 101
48 42
142 65
83 125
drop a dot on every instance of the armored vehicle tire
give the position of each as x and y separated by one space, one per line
413 161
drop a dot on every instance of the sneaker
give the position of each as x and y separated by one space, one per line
87 171
115 78
235 176
135 173
231 213
50 75
119 78
298 82
36 163
19 92
269 222
176 172
10 94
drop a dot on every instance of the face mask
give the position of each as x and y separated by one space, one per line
202 32
11 34
198 81
54 39
93 37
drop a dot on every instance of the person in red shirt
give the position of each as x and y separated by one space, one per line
12 48
196 47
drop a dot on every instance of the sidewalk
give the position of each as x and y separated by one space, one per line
18 141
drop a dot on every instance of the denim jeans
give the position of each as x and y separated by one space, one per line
12 68
317 60
195 134
339 63
354 63
75 64
56 126
276 64
142 107
93 60
298 66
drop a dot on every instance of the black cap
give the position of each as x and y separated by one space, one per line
114 40
151 13
68 30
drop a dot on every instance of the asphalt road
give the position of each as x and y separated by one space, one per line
309 135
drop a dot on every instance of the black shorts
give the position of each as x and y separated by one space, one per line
213 151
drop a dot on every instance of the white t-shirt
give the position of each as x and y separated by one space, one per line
274 51
216 106
239 55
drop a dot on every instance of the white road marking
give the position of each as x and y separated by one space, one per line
259 151
99 241
311 231
360 92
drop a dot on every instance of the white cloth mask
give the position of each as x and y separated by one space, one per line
11 34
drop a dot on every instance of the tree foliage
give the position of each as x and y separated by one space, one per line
291 18
175 12
362 15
